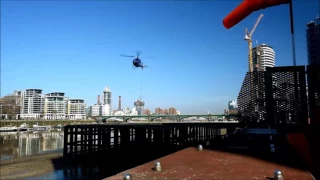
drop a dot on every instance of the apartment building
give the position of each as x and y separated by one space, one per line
55 106
76 109
32 103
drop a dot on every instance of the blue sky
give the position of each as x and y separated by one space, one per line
75 46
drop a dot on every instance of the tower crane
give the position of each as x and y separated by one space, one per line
248 38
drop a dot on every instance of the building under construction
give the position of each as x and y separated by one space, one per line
139 105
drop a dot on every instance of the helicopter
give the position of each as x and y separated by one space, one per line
136 63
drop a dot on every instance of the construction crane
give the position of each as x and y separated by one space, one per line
248 38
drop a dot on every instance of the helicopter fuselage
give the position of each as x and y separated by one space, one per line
137 62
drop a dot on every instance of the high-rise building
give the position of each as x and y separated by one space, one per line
107 98
139 105
313 41
232 105
263 56
32 103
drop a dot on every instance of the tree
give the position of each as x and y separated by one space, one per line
10 105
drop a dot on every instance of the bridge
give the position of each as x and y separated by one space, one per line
177 118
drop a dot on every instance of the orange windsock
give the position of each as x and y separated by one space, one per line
246 8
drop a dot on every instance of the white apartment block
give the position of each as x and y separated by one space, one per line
76 109
32 103
95 110
105 110
35 105
100 110
55 106
127 112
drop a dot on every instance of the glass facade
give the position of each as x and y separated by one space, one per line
313 41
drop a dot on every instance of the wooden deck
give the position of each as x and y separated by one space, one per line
212 164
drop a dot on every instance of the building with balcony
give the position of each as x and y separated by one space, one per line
55 106
263 56
32 103
76 109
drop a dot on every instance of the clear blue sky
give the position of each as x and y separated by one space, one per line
75 46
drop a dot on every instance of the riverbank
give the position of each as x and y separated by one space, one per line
30 166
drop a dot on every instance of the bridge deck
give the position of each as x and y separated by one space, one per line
212 164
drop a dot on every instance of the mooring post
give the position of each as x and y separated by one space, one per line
277 175
127 177
157 166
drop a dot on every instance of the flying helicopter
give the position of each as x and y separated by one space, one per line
136 63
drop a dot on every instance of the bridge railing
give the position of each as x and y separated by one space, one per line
176 118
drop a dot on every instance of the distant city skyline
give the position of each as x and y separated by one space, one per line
199 66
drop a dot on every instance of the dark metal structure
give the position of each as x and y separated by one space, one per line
90 140
251 99
313 74
276 96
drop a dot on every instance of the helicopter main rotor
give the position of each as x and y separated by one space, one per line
137 56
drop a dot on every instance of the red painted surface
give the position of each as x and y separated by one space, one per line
210 164
301 146
246 8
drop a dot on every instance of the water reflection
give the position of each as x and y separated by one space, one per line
14 144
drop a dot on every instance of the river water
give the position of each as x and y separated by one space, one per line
20 144
14 144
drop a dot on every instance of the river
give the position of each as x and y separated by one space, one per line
19 144
14 145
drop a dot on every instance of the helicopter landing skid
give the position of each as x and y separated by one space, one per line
133 67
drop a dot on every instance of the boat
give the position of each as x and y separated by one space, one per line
23 127
36 127
8 129
7 133
59 126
